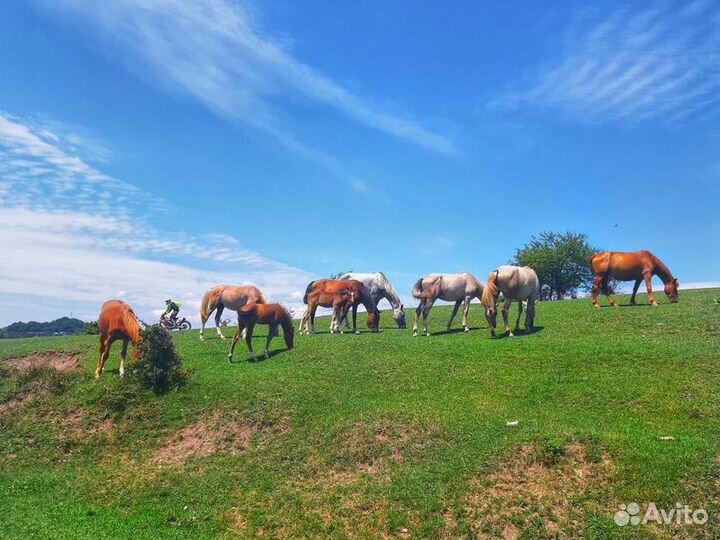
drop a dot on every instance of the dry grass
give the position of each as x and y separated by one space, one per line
57 360
533 495
214 435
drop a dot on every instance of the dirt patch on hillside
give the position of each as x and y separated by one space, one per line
533 496
61 361
18 400
374 449
215 435
76 426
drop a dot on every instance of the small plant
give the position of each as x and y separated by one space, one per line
159 366
550 452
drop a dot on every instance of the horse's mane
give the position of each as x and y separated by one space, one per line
663 269
131 324
287 322
491 291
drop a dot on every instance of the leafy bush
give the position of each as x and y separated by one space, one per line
159 366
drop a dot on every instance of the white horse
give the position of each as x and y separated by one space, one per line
380 287
516 283
459 288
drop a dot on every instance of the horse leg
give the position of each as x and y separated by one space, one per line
530 313
520 310
346 309
648 284
312 319
426 314
272 330
234 341
123 356
218 314
303 320
418 311
104 353
635 290
595 289
354 312
248 340
333 318
466 309
454 312
604 286
506 312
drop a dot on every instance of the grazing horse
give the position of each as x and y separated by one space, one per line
117 321
638 266
273 315
380 287
516 283
227 296
459 288
341 295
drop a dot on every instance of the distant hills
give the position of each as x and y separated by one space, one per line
64 326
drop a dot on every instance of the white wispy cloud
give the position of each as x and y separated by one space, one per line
72 233
217 52
629 65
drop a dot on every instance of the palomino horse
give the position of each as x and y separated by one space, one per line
638 266
459 288
273 315
227 296
341 295
380 287
117 321
516 283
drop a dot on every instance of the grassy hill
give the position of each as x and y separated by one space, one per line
378 435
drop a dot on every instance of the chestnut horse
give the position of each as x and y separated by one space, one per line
117 321
636 265
273 315
341 295
227 296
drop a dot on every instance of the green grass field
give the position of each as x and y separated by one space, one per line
379 435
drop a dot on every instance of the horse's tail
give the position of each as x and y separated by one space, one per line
205 308
491 291
307 291
417 290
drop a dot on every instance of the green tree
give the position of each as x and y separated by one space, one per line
561 261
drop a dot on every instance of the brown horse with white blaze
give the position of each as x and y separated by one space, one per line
232 297
637 266
117 321
273 315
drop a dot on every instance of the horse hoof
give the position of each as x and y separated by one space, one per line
466 329
654 304
510 334
357 332
97 375
414 334
427 334
596 306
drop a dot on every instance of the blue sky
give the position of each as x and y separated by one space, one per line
151 149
